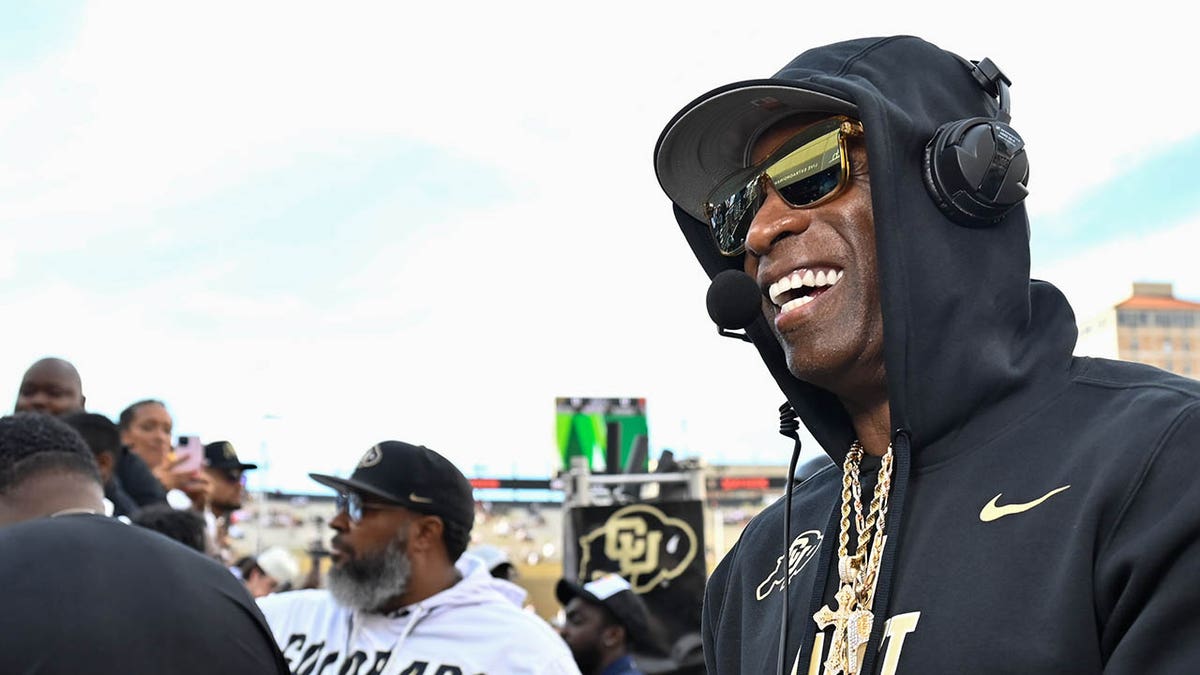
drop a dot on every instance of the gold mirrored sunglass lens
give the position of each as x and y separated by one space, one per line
806 162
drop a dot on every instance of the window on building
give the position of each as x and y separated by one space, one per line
1133 319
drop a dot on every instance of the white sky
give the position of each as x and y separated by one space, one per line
459 329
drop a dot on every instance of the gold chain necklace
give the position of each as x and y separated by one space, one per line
852 620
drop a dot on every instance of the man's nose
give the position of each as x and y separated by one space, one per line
776 220
340 521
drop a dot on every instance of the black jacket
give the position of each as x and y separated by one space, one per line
123 504
138 481
988 402
88 594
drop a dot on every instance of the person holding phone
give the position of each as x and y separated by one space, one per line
146 432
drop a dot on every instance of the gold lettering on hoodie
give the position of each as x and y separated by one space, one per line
894 631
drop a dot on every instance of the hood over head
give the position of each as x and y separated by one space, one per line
966 331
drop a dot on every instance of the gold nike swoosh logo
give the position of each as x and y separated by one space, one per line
991 511
420 500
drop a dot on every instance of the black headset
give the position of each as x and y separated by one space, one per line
976 169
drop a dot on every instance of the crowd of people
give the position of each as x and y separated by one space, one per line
114 530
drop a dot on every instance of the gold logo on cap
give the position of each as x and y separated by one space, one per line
371 458
229 453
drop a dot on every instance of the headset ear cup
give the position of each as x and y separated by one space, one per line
976 170
931 183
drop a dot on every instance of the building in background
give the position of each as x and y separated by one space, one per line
1152 326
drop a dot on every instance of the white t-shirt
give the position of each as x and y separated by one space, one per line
466 629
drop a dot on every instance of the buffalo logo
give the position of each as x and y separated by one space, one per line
804 547
648 546
228 452
371 458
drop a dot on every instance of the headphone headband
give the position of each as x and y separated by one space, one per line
995 82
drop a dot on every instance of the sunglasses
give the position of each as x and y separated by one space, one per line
352 503
807 171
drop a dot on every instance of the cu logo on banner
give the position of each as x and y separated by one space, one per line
647 546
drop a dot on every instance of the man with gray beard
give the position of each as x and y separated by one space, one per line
396 598
370 581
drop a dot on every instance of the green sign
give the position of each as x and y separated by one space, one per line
605 431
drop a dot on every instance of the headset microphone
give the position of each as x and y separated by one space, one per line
734 302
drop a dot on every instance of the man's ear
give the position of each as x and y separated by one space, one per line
613 635
107 463
428 533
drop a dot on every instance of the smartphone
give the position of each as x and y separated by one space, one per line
192 452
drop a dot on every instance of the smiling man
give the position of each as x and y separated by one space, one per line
396 599
997 505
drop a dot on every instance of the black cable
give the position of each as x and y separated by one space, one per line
789 425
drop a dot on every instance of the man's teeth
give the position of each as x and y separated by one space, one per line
802 279
798 302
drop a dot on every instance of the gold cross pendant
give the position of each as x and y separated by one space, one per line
837 662
858 634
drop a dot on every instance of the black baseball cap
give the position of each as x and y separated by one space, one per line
412 476
221 455
614 593
710 139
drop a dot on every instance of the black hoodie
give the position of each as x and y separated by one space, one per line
988 401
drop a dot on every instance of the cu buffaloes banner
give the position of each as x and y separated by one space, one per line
657 547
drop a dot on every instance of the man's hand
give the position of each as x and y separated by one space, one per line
198 487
